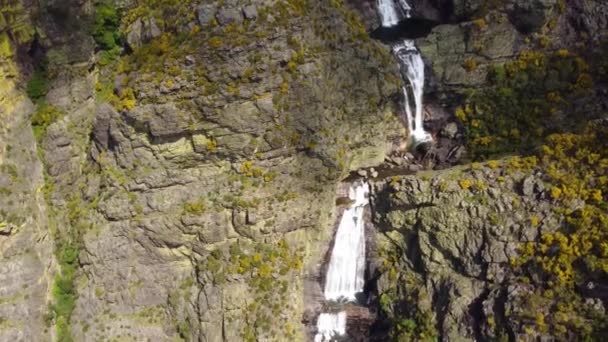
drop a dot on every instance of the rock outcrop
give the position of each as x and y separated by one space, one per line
448 244
506 249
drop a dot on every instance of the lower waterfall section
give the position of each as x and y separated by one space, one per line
346 270
347 264
330 325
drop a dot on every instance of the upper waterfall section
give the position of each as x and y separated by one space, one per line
397 24
390 14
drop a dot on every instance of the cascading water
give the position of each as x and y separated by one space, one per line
345 274
405 7
412 68
330 325
388 13
347 264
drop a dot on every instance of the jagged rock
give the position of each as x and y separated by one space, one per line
142 31
495 42
190 60
528 186
201 143
169 88
463 9
450 130
239 221
251 217
26 250
359 321
590 17
399 161
226 16
415 167
250 12
181 147
459 246
152 29
206 14
236 142
530 16
160 121
265 105
101 125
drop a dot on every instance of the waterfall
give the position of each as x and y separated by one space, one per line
330 325
412 68
345 274
388 13
405 7
347 265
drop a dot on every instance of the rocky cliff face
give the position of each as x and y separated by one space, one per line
491 251
190 178
169 170
495 251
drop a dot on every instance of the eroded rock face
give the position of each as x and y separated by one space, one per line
463 253
460 52
455 241
179 210
142 31
25 242
181 200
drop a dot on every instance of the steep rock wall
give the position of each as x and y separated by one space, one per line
190 177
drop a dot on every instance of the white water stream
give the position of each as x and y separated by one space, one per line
330 325
345 274
388 13
412 68
347 264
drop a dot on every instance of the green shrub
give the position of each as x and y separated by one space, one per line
522 102
197 207
5 45
38 85
64 291
108 56
44 116
184 330
105 27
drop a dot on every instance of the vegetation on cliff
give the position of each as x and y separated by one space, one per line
535 95
291 61
267 269
517 250
563 263
530 231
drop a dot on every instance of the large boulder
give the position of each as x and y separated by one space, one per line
531 16
142 31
